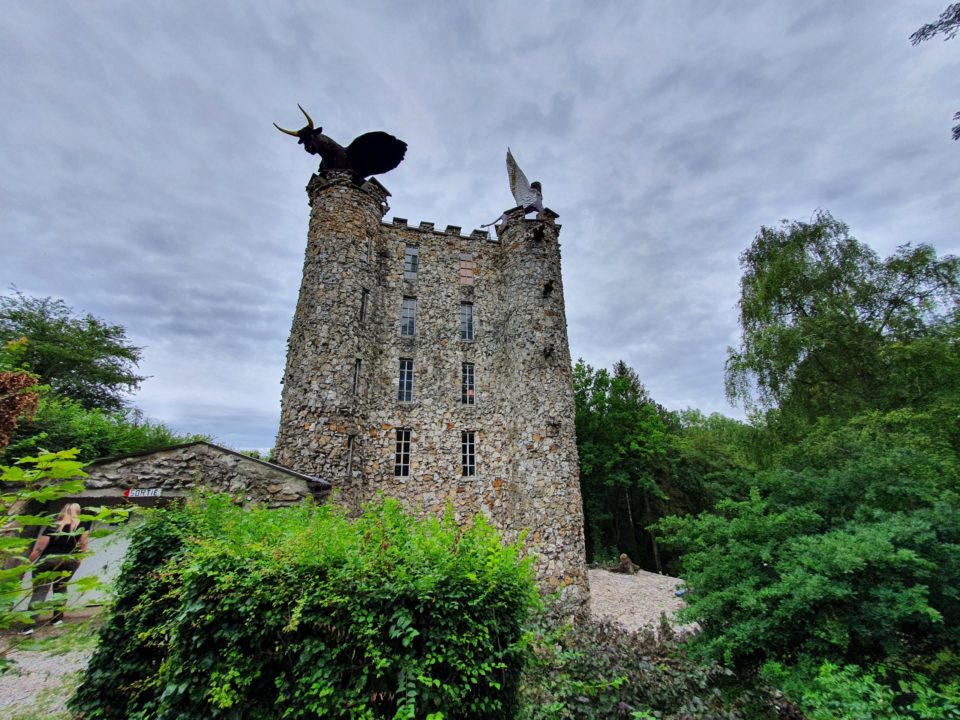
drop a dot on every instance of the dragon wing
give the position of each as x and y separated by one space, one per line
519 185
375 152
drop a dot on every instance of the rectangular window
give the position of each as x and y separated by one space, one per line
408 317
467 396
468 453
367 253
356 375
411 262
467 268
350 440
401 467
405 393
466 321
364 296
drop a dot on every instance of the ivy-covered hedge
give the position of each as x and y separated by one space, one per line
301 612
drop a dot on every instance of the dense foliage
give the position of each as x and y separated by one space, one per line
24 487
62 380
832 563
60 423
84 358
301 613
588 670
640 463
831 330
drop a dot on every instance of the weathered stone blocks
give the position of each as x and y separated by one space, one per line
341 408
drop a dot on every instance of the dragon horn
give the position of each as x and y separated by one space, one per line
309 121
288 132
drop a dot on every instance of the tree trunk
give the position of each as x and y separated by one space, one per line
653 539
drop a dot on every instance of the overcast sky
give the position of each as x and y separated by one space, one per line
141 179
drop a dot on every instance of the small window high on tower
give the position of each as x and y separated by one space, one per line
468 454
466 321
467 393
411 262
405 393
408 317
401 467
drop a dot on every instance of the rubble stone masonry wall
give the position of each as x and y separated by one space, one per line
341 408
203 465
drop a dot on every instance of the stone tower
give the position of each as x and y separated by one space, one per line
434 367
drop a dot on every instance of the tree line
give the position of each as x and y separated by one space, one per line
819 540
65 382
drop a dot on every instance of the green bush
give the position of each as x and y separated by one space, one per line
827 691
303 613
589 670
62 423
849 551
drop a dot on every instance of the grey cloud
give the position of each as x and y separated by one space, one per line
143 180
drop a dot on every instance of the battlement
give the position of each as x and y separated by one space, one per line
429 227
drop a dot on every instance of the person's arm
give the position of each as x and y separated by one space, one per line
38 547
82 543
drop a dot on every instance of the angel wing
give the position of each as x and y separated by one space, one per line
519 185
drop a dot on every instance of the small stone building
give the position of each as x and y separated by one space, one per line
434 367
178 470
156 477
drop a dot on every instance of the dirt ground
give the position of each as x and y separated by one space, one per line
633 600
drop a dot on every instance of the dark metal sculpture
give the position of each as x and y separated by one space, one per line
370 154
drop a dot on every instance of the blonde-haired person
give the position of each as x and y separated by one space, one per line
55 548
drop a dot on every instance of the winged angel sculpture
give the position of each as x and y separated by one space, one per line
528 195
369 154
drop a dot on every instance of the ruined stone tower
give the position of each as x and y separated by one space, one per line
434 367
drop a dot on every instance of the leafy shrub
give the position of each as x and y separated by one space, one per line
25 488
61 423
827 691
588 670
849 551
303 613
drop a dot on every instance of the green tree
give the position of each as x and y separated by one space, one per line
624 442
19 392
81 357
61 423
848 550
947 24
830 329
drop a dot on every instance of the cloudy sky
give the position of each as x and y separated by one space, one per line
141 179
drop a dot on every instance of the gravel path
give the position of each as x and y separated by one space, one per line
40 680
633 600
44 679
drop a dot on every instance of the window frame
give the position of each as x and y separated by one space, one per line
468 384
467 331
468 268
411 262
351 440
468 453
408 322
402 452
364 301
405 380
